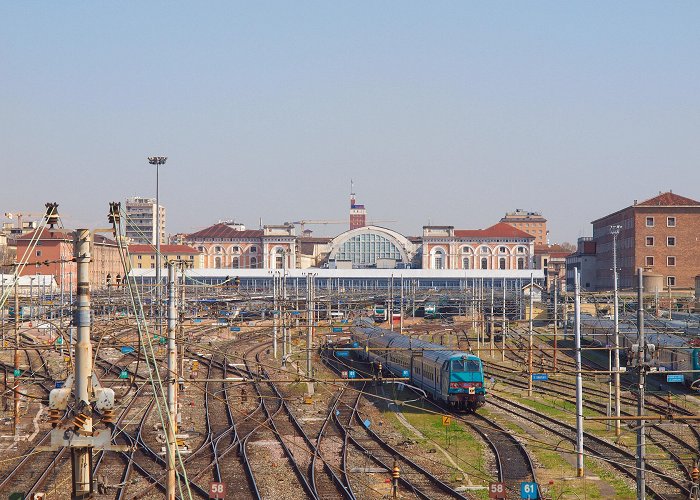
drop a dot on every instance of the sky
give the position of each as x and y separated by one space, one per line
450 113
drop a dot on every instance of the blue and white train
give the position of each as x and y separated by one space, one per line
455 378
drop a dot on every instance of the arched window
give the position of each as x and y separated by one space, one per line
279 259
253 263
363 250
109 279
119 279
235 249
501 263
253 249
502 250
217 262
465 262
467 250
484 263
439 259
234 263
521 263
217 249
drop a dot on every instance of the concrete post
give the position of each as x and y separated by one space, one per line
81 457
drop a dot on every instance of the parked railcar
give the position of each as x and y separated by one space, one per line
455 378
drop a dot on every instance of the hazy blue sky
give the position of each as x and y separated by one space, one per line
449 112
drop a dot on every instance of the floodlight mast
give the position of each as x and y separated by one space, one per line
615 231
158 161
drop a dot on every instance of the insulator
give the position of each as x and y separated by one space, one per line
79 421
54 417
114 212
108 416
51 214
695 474
395 472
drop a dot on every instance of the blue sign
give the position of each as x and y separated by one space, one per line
540 377
123 374
367 423
355 345
295 313
674 378
344 321
351 374
127 350
342 354
405 373
17 372
235 328
59 341
197 320
337 329
58 384
529 491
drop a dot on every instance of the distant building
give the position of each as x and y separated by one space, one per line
144 256
531 222
585 260
53 254
141 225
552 259
659 234
230 245
358 213
500 246
372 247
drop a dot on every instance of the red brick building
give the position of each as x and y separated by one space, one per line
659 234
53 254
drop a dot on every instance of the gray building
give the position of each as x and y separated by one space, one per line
141 224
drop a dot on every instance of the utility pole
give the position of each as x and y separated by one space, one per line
579 379
529 343
641 368
556 319
274 315
401 308
172 383
81 456
15 389
504 328
491 322
310 305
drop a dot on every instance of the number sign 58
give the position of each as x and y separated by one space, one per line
497 490
217 490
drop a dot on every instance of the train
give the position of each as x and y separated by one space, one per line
453 378
672 352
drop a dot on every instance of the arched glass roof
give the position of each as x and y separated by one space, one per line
364 249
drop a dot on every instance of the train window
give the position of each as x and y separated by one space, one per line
465 365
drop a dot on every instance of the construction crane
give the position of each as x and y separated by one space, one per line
302 223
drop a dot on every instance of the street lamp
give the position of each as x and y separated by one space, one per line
615 231
157 161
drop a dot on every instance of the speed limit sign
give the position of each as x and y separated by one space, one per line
217 490
497 490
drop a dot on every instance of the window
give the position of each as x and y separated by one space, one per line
649 261
217 262
253 262
502 250
253 249
139 265
139 257
521 249
521 263
501 263
671 241
38 253
544 262
465 263
235 249
234 262
670 260
650 241
671 280
153 266
279 259
650 222
484 263
217 249
671 222
191 257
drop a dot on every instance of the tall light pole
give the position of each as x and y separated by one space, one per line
158 161
615 230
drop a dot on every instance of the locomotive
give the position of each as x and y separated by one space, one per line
454 378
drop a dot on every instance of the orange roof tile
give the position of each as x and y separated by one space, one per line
499 230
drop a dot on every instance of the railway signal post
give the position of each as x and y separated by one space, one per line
641 370
79 434
172 382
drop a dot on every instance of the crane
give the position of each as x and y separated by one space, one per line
302 223
20 215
